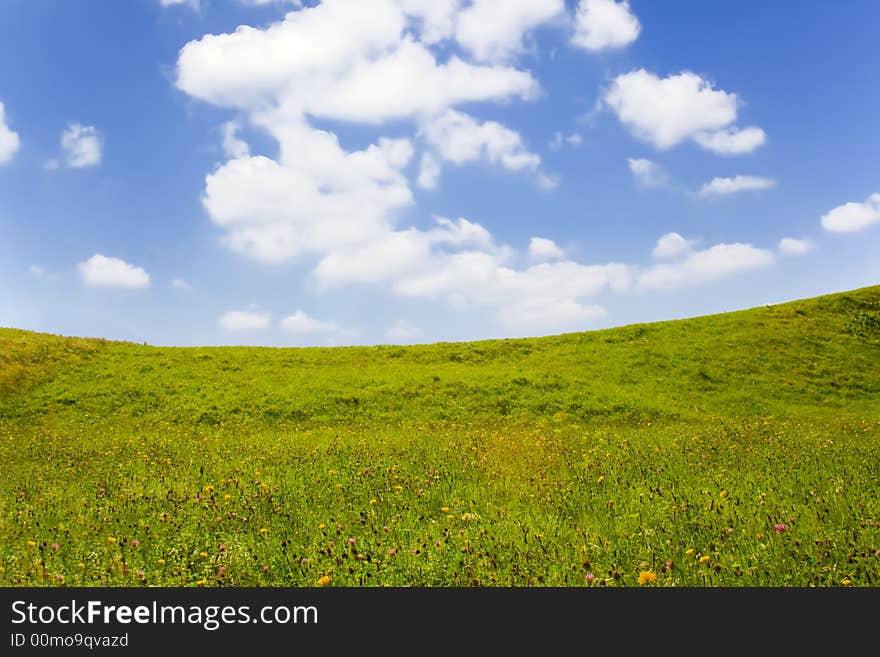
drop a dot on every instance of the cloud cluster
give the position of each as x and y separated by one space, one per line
384 64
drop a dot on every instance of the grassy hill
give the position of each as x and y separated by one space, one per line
736 449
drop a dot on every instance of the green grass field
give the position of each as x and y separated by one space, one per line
735 450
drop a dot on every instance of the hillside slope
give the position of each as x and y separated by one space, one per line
813 356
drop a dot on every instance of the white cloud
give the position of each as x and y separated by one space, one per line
458 138
103 271
559 140
647 173
604 25
668 111
429 172
727 186
233 147
732 141
793 246
82 146
541 248
9 140
36 270
299 322
397 253
240 320
853 217
699 267
180 284
402 332
545 296
169 3
436 18
339 60
671 246
493 30
317 198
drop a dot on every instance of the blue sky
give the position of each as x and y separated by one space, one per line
379 171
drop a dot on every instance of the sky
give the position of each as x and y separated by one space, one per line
284 173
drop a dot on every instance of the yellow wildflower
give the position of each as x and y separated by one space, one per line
647 577
705 559
324 581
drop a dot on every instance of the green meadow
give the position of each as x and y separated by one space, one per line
740 449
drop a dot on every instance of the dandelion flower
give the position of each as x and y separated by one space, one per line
723 493
264 530
398 488
201 582
111 539
161 562
689 551
444 509
647 577
846 581
705 559
203 555
32 544
600 479
372 501
324 581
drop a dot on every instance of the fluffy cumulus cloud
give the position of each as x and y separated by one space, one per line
458 138
699 267
9 140
728 186
667 111
243 320
103 271
794 246
604 25
494 30
671 246
647 173
542 297
732 141
82 146
853 217
541 248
